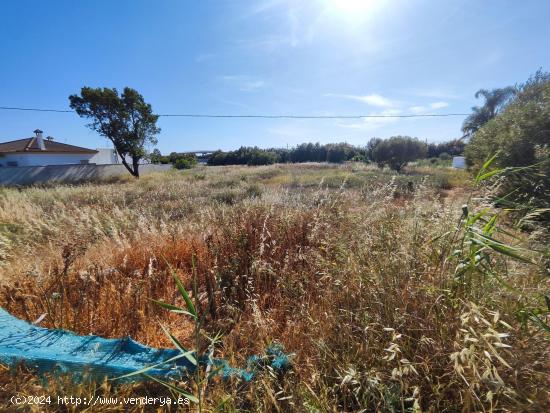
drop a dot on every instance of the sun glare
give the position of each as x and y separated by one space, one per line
352 10
352 6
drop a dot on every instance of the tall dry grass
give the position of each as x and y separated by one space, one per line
341 265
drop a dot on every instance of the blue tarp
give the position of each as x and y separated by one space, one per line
60 351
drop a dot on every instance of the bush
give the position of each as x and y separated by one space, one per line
397 151
228 197
520 136
339 153
371 144
157 158
442 182
185 163
254 191
453 147
261 158
190 159
521 132
199 177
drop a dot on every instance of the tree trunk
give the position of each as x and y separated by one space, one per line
134 171
135 164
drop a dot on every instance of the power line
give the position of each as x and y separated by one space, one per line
36 110
315 117
198 115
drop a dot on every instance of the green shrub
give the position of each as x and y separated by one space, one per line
520 133
228 197
453 147
199 177
254 191
339 153
183 160
442 182
261 158
520 136
157 158
185 163
397 151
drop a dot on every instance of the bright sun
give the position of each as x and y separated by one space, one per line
353 11
352 6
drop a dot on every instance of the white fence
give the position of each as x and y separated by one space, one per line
29 175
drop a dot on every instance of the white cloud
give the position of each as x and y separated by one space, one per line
265 6
390 112
244 83
374 122
250 86
415 110
295 28
234 103
439 105
373 99
267 44
433 93
388 109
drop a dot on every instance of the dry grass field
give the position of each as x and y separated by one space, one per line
351 269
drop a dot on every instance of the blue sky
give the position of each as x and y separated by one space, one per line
308 57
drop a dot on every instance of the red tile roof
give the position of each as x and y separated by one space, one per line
29 145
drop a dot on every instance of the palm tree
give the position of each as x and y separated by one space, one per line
495 101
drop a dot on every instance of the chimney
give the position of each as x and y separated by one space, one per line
40 140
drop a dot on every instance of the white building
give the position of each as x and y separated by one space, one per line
459 162
37 151
105 156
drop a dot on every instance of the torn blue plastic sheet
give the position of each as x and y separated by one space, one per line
275 358
59 351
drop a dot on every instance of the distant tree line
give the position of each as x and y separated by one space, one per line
244 156
394 152
306 152
180 160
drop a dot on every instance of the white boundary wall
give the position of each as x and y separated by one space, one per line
29 175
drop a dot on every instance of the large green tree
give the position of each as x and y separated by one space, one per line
495 101
125 119
371 144
397 151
